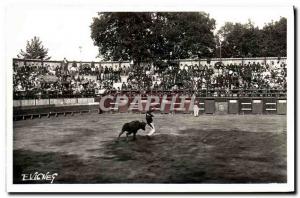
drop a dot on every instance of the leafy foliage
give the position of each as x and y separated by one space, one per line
153 36
122 36
274 38
246 40
34 50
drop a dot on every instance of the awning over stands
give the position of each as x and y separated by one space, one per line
48 79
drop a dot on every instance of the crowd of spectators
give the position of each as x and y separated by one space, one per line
249 76
87 79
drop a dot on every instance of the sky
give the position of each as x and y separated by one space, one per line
63 29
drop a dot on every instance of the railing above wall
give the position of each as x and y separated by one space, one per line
127 63
60 61
199 93
236 59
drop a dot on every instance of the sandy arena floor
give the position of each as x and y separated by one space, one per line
185 149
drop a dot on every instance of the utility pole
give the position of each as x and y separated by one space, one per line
220 51
221 39
80 50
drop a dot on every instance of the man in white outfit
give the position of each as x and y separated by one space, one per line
150 123
196 109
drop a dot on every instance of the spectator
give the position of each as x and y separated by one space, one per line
219 77
124 87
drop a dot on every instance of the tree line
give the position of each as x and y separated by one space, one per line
158 36
155 36
246 40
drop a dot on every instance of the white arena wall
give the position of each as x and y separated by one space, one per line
54 101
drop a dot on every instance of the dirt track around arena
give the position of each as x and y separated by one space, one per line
185 149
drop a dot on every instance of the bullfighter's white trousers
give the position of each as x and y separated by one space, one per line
152 131
196 111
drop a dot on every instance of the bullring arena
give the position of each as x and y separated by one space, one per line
185 149
238 137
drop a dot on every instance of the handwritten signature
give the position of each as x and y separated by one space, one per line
39 177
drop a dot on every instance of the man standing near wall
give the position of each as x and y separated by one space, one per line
65 66
149 119
196 109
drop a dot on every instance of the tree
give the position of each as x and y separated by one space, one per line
246 40
144 36
184 35
273 41
122 36
34 50
239 40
